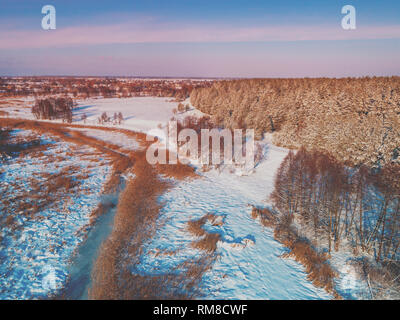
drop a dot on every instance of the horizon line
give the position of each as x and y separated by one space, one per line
192 77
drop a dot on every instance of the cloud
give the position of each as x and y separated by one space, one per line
151 33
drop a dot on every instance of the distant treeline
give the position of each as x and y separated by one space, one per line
94 87
355 119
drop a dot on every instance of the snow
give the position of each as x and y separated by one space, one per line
140 113
35 257
114 137
249 264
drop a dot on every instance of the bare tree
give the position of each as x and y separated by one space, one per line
84 117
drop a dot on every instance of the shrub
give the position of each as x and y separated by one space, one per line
267 217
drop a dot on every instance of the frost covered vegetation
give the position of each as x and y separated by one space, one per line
49 207
339 192
181 233
233 148
46 209
341 208
355 119
316 263
115 275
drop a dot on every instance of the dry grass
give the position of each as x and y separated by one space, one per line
102 208
208 241
383 279
267 217
120 162
178 171
18 146
195 227
137 211
317 266
45 191
114 276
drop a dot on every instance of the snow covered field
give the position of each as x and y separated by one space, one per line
140 113
248 266
35 250
114 137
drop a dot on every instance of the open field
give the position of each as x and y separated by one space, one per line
49 193
200 150
157 231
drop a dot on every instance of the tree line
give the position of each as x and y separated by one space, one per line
356 119
94 87
53 108
338 204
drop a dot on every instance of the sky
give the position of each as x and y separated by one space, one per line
192 38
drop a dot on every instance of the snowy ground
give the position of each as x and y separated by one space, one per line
249 264
140 113
34 257
114 137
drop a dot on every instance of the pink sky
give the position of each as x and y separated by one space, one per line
131 33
